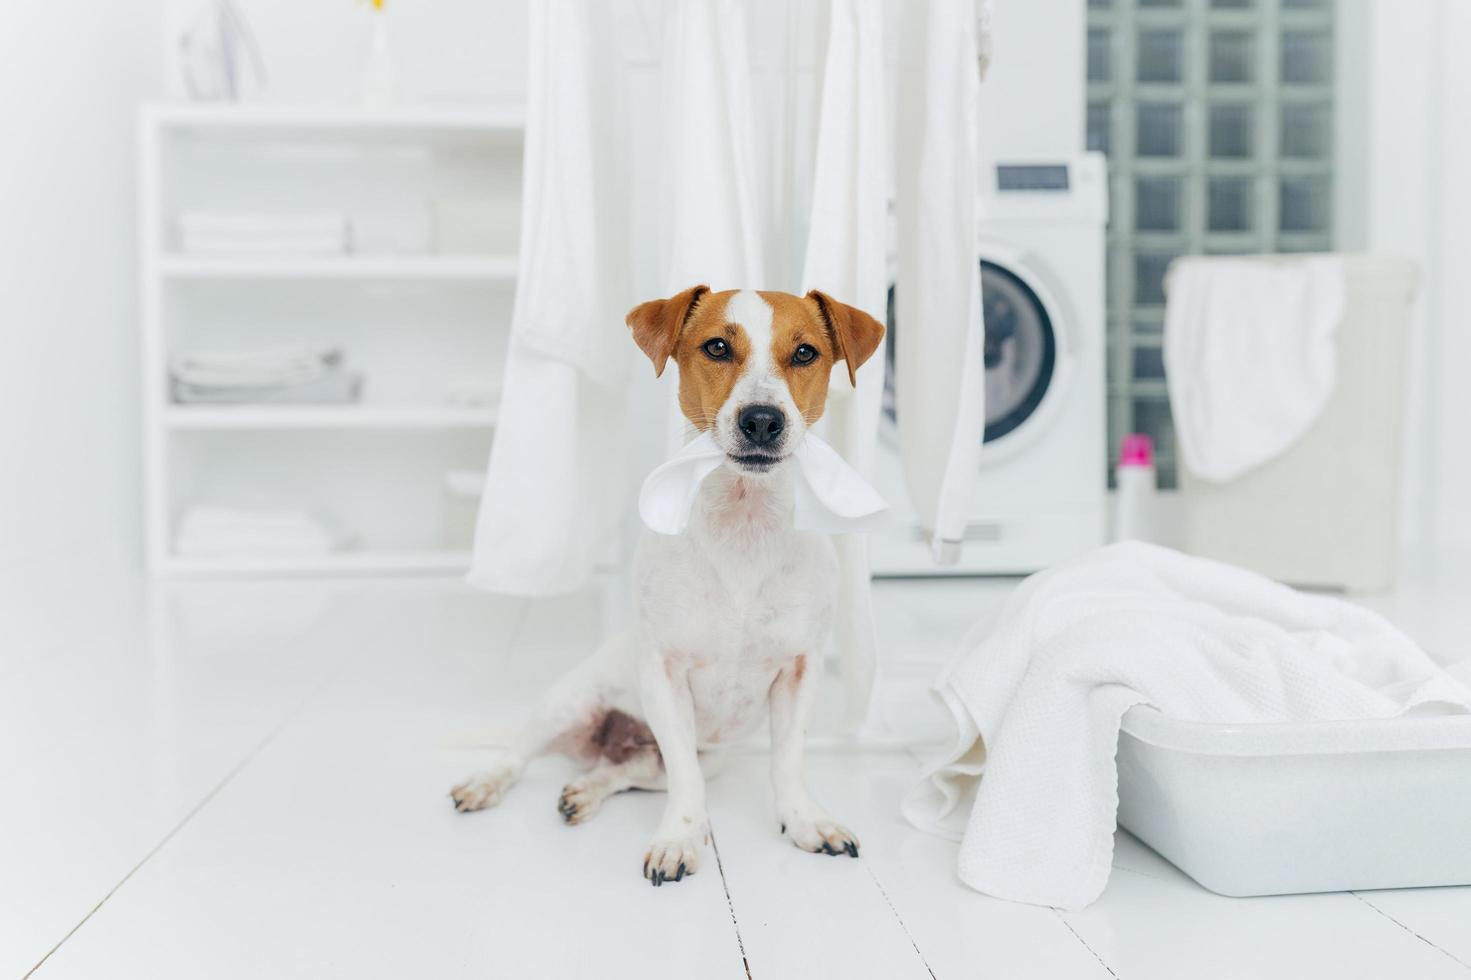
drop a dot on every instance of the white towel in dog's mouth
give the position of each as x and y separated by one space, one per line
829 494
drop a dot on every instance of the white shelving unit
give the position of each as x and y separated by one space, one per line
408 323
472 267
389 418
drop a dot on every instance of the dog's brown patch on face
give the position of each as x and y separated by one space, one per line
796 321
704 381
681 327
855 334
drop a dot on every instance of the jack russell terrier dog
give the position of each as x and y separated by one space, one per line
733 613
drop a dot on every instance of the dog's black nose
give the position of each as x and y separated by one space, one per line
762 424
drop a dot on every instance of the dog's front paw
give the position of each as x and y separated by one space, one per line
579 801
820 834
483 790
671 858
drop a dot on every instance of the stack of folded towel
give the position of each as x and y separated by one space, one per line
209 530
249 233
283 375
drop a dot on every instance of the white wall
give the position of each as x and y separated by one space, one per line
1407 153
1033 102
1449 276
71 72
445 50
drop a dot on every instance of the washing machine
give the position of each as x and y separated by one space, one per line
1040 495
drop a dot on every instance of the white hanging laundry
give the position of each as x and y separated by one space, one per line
551 497
711 219
939 382
846 258
829 495
1249 356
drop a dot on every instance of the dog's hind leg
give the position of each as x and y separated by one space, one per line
582 797
574 705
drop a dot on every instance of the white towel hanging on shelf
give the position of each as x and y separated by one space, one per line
1249 355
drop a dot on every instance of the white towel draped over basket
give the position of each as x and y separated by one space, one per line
1029 784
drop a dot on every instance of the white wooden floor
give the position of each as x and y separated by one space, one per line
249 779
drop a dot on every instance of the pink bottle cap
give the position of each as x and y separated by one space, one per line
1138 450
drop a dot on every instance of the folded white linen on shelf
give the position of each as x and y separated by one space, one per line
279 375
259 247
1249 355
405 232
253 233
246 223
333 388
472 388
1030 783
263 366
830 496
208 530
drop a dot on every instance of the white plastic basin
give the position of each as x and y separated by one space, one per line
1274 809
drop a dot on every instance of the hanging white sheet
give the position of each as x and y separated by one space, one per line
939 383
551 498
711 221
846 257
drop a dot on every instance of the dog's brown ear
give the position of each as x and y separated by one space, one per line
856 334
656 324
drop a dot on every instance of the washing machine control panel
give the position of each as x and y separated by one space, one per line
1031 177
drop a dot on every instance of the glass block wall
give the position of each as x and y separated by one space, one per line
1216 116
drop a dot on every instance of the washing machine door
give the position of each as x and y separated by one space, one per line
1021 357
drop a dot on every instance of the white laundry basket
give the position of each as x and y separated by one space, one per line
1326 512
1276 809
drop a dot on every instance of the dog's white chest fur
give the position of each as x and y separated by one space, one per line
736 598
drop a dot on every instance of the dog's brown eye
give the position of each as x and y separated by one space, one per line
717 348
804 354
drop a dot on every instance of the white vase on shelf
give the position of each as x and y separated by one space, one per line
379 73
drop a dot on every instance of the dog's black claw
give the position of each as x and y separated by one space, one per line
784 828
827 848
679 875
851 848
